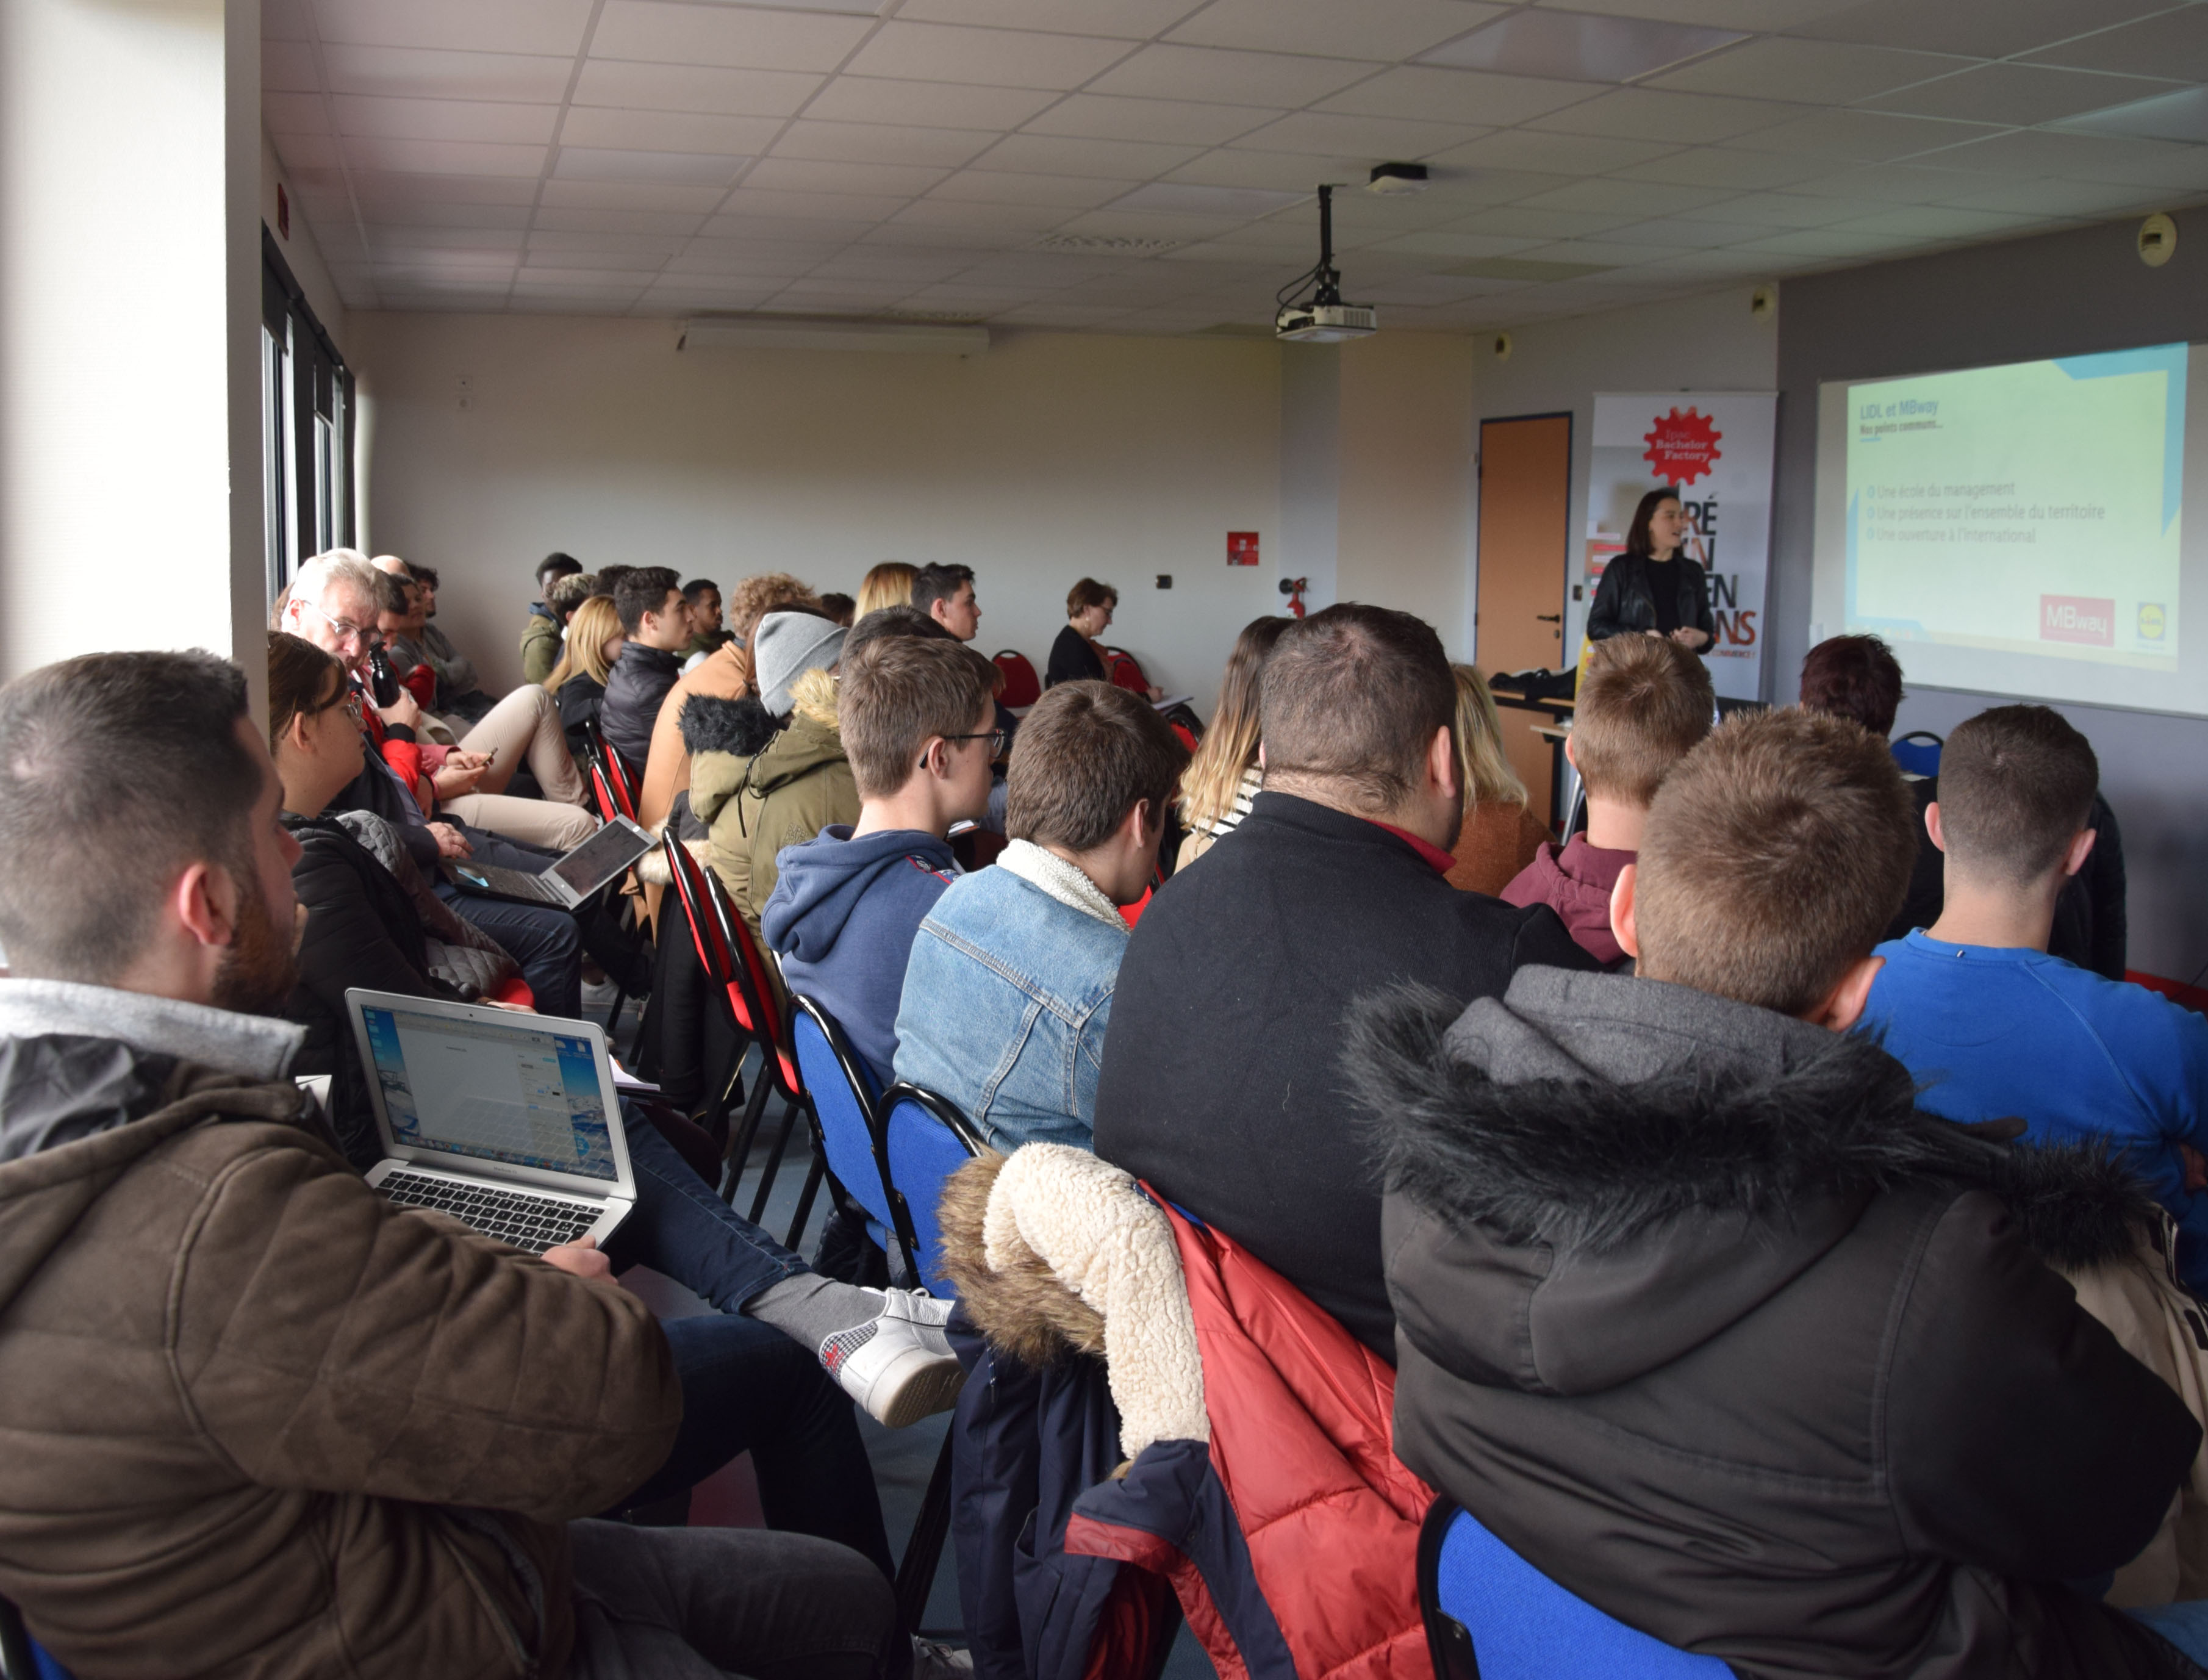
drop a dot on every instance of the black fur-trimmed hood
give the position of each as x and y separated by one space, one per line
739 726
1654 1162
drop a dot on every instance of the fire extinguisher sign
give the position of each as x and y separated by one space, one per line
1241 548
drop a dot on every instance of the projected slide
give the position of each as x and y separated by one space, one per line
2034 508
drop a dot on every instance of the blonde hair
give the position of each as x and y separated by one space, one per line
889 585
1488 776
813 695
1229 747
596 623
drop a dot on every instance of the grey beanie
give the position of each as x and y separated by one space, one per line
785 646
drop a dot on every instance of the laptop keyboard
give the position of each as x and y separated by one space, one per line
513 883
528 1221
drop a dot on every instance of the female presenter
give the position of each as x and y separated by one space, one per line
1651 589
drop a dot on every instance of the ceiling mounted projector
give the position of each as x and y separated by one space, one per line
1319 317
1396 180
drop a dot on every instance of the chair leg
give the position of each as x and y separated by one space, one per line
805 1202
774 1161
740 1146
916 1575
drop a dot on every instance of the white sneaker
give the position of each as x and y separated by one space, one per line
898 1365
598 994
934 1661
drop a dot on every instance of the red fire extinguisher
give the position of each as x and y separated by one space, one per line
1293 588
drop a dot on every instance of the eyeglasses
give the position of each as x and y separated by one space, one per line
369 638
997 739
355 710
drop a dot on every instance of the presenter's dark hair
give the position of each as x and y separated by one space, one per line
1637 540
1853 676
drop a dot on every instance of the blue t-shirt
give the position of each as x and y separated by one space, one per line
1997 1032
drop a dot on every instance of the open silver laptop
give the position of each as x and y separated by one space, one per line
564 882
510 1123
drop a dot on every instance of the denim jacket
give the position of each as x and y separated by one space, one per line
1006 1000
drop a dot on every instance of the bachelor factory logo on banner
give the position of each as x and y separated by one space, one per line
1715 446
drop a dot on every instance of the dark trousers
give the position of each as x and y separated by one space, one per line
544 940
682 1230
703 1604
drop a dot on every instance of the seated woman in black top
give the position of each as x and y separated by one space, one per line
1077 656
577 683
1652 589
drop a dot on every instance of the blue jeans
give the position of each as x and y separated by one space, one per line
544 940
682 1229
2184 1625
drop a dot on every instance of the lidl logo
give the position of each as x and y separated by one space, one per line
2151 618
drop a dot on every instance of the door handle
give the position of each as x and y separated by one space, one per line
1549 618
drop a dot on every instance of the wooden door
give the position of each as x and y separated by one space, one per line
1524 536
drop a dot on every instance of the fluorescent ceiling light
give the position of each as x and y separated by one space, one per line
816 333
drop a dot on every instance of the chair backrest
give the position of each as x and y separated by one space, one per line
1918 752
843 1102
1491 1616
926 1138
623 783
1125 671
714 956
22 1657
761 1014
1021 685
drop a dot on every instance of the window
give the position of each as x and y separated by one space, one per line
306 427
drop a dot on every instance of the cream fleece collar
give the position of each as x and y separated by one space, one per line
1046 872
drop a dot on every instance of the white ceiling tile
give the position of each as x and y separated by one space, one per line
798 175
1071 192
1894 183
811 206
289 67
1167 72
1935 221
1595 252
749 259
1054 154
1384 30
930 105
682 296
1820 242
294 113
685 169
976 219
442 157
2054 198
631 195
1580 46
1553 155
445 119
1458 96
700 88
919 265
667 131
882 142
1070 316
1677 233
658 247
1865 136
1420 288
481 25
555 219
1725 166
1381 138
2080 158
1716 262
1608 197
1273 171
1457 247
2021 94
1225 203
1519 224
419 192
2181 116
1644 113
603 258
423 73
741 37
1782 210
1754 15
1810 72
416 237
300 152
1100 116
1132 20
993 57
2175 44
1977 28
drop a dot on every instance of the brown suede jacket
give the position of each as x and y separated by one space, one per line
260 1422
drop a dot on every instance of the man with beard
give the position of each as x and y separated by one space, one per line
259 1417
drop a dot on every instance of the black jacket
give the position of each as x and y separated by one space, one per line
1221 1083
1700 1315
1074 659
1625 599
638 683
581 698
362 930
2092 927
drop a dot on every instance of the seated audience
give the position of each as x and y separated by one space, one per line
1703 1316
577 683
889 585
1501 835
1643 705
294 1428
459 691
945 594
1225 775
725 674
540 636
1008 996
1221 1083
1858 677
1075 657
839 608
787 792
917 718
1995 1027
657 625
702 597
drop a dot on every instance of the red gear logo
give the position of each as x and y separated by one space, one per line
1682 447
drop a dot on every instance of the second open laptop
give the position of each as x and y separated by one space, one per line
565 881
510 1123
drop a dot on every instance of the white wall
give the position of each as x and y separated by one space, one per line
299 247
1706 343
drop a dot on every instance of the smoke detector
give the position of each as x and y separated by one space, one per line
1397 180
1319 317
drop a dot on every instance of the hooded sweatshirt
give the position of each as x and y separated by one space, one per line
758 800
842 918
1701 1316
1575 883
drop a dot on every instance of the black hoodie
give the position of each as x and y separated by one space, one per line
1700 1315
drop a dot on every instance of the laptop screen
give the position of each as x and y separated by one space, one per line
601 857
525 1094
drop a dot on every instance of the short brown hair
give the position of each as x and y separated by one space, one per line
2016 785
1352 695
1643 705
1854 676
1089 593
641 590
895 693
1085 754
298 673
1775 855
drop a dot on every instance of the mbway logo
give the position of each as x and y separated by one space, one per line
2077 618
